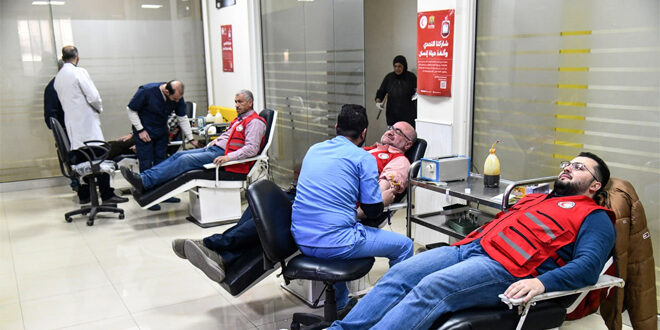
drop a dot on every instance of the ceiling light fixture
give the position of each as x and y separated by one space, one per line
152 6
46 3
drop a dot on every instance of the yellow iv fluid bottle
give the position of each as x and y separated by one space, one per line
492 169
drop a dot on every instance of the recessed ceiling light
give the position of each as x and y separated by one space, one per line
46 3
152 6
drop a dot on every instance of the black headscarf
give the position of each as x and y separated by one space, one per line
401 59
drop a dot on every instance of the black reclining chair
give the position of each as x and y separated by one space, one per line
545 311
271 210
93 167
208 185
249 269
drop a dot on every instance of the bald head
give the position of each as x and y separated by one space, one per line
173 89
402 136
70 54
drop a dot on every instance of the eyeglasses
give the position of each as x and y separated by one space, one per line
578 166
398 132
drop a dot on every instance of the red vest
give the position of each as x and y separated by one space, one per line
533 230
236 141
382 156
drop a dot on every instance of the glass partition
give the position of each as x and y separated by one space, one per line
553 78
122 44
313 63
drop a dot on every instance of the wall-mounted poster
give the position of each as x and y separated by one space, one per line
227 48
435 51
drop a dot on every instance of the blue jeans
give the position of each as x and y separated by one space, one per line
180 162
414 293
373 242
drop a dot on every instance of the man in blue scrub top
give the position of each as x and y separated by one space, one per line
335 176
148 111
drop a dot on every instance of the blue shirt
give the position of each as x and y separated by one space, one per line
154 109
335 175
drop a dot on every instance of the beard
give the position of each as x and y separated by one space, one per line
565 188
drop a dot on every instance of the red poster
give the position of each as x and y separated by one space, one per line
435 51
227 49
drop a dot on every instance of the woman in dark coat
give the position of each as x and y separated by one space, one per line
399 86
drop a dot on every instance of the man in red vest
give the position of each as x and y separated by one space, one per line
241 140
545 242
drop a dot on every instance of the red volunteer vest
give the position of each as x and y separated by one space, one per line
533 230
236 141
383 157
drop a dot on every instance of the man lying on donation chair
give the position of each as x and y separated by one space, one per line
545 242
241 140
215 253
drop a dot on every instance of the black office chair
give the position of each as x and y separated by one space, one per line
96 154
271 210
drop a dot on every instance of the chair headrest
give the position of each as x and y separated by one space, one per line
416 151
271 210
268 115
189 110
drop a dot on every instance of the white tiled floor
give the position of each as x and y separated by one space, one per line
122 274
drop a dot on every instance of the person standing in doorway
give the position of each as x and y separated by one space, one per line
399 86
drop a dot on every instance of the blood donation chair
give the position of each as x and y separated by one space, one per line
415 153
545 311
215 195
249 269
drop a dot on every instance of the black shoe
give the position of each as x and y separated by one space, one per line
154 208
172 200
115 200
85 201
133 178
344 311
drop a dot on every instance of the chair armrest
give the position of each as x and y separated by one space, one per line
90 149
232 162
604 281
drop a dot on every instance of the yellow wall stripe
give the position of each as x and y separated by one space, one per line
568 130
568 86
571 104
575 69
569 117
575 33
569 144
575 51
560 156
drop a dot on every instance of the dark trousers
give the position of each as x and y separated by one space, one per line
236 240
102 180
151 153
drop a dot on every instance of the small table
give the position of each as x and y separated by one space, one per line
477 193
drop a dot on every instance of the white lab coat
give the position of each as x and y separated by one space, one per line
81 102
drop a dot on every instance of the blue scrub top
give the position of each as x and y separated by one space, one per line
153 110
335 175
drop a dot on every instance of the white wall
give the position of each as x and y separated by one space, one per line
445 122
245 22
454 111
